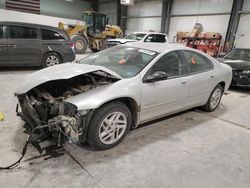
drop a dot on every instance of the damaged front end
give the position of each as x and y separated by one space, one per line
46 112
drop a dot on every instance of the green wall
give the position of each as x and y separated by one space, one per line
65 9
2 4
61 8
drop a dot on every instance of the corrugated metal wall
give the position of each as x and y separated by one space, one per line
211 23
145 15
243 34
110 9
61 8
142 10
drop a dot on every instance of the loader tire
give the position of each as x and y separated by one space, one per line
80 44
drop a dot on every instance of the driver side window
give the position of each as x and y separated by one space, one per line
171 64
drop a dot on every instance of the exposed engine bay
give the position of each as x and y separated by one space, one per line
46 112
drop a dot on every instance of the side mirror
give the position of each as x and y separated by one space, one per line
156 76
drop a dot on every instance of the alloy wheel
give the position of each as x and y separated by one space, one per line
52 60
112 128
215 98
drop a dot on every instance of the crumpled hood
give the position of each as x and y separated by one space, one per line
122 41
58 72
236 64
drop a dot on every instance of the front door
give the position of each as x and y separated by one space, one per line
166 96
3 47
24 46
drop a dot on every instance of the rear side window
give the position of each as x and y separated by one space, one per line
160 38
197 62
1 31
20 32
51 35
156 38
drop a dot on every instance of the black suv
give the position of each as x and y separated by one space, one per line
23 44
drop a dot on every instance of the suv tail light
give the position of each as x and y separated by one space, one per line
71 45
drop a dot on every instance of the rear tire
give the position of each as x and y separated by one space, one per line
214 99
51 59
109 126
80 44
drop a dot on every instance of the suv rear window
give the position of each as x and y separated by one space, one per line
51 35
22 32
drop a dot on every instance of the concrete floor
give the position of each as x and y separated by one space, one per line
191 149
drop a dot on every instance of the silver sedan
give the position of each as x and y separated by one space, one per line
101 98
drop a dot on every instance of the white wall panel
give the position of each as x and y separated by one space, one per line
243 29
210 24
148 8
246 5
243 34
143 24
8 15
242 39
110 9
214 23
201 6
145 8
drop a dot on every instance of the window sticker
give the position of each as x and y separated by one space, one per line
193 61
122 61
146 52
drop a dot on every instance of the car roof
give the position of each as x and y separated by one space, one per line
30 25
158 47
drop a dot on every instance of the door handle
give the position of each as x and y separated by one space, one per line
212 76
3 45
12 45
184 82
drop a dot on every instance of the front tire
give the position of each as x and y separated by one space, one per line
214 99
109 126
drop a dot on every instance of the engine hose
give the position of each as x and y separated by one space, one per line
19 160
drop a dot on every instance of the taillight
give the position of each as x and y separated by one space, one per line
71 45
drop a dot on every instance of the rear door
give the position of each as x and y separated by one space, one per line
201 79
3 46
24 46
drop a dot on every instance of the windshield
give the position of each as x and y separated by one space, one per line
125 61
137 36
239 54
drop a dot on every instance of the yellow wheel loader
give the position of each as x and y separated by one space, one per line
94 31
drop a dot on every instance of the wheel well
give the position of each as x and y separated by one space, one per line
223 85
131 104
